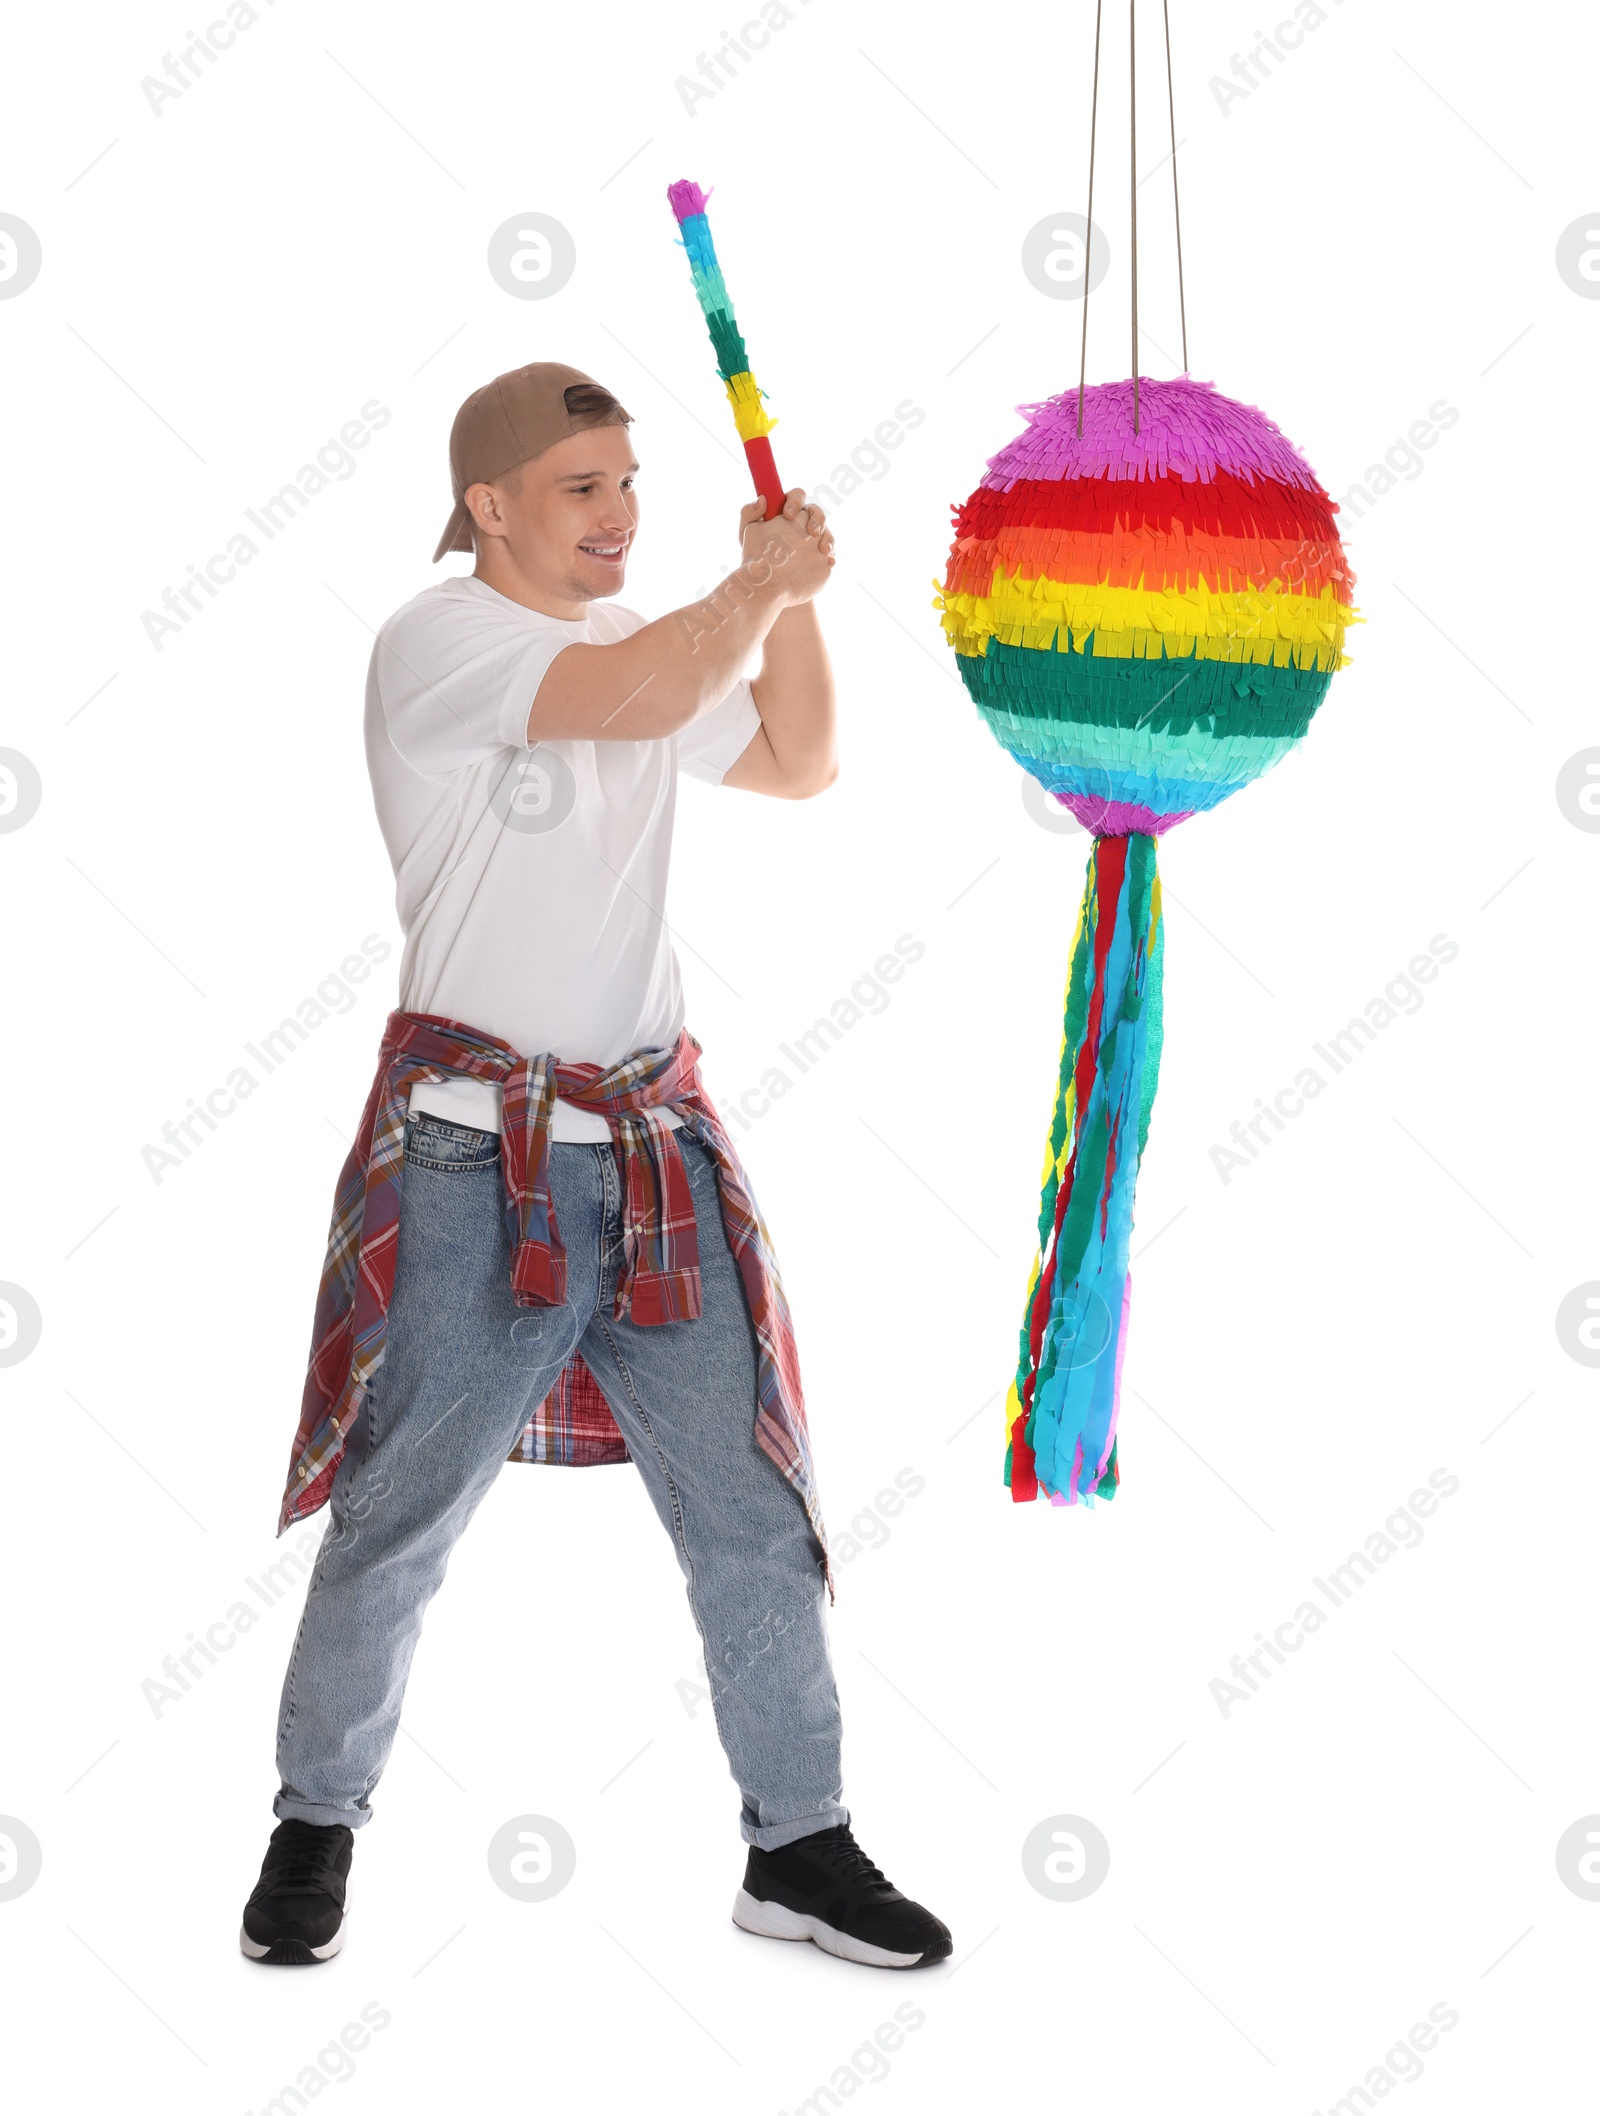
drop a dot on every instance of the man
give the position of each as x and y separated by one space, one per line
543 1246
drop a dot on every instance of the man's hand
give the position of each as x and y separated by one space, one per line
792 754
795 551
663 676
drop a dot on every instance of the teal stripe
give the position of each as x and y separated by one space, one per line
1083 744
1163 797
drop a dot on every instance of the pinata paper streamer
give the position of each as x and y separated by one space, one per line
745 395
1146 620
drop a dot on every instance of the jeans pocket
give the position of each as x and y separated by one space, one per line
449 1149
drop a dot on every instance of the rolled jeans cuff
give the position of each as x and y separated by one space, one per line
776 1834
288 1809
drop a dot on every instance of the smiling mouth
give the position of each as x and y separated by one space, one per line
611 553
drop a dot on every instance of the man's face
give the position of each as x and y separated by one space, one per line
567 518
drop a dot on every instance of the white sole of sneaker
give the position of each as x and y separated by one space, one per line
256 1950
773 1921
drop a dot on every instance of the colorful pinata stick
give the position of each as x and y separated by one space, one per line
688 202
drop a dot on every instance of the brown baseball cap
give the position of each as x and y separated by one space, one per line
516 416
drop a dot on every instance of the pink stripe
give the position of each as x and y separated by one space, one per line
686 198
1118 819
1184 426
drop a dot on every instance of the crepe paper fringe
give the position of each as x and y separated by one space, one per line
1062 755
1205 701
1128 749
1061 1410
1150 559
749 415
1261 508
1106 818
688 203
1162 532
1184 426
1145 624
1163 792
686 199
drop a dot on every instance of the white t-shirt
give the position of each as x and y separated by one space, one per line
530 882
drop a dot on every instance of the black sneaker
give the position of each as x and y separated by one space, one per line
296 1910
823 1887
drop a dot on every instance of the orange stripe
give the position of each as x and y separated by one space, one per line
1172 559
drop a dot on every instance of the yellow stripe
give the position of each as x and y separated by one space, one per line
1013 1408
749 412
1275 624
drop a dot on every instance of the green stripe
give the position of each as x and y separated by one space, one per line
1154 1012
732 358
1220 698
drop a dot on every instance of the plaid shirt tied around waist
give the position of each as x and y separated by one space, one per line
659 1281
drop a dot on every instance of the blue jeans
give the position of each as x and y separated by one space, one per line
463 1368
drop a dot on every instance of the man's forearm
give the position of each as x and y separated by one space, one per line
661 677
795 695
657 680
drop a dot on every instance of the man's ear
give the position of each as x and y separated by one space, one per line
483 504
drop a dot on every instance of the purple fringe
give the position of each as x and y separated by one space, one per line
1184 426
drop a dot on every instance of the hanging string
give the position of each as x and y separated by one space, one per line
1133 183
1088 240
1133 199
1172 125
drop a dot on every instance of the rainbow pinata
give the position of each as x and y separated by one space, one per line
1147 620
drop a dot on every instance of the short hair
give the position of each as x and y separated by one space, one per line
591 405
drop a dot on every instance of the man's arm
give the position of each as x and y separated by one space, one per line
667 673
793 752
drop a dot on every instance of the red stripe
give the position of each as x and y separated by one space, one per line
1110 863
1024 1477
1225 505
758 454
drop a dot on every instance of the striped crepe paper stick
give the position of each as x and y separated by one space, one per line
745 396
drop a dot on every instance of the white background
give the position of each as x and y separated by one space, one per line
1293 1885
